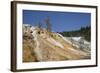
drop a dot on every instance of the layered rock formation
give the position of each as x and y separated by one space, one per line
40 44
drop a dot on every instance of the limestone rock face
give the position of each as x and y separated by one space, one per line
40 44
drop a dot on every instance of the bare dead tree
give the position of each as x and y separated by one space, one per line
48 24
39 25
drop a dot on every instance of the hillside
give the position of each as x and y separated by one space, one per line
40 44
83 31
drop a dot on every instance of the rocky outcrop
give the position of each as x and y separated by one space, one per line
40 44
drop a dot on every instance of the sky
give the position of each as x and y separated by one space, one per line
61 21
